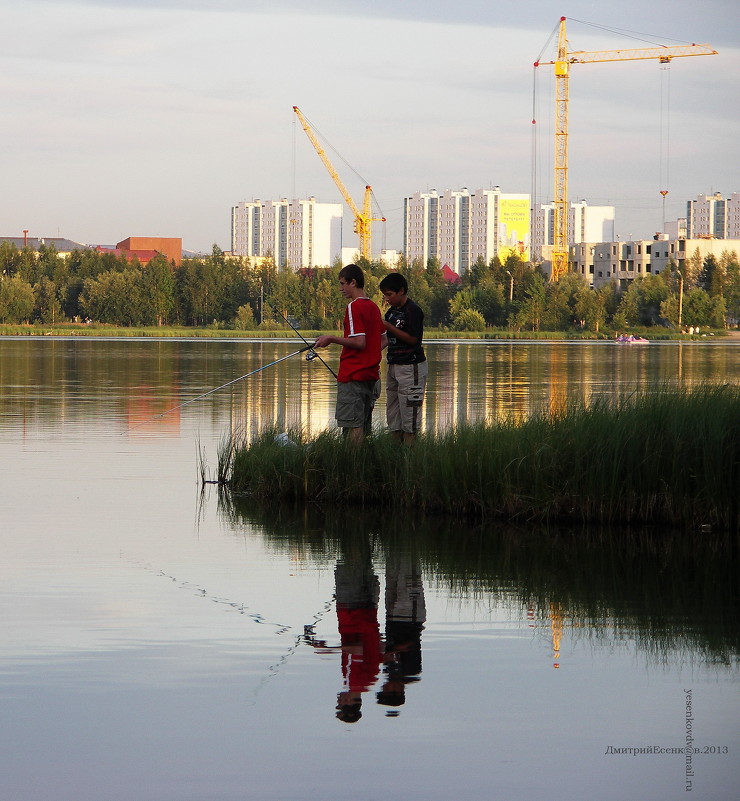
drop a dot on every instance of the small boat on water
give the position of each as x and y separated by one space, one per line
629 339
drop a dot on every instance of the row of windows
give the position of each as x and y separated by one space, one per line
625 267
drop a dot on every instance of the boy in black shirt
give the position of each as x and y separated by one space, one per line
407 364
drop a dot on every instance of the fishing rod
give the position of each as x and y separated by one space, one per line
313 354
309 357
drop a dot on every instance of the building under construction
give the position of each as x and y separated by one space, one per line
601 263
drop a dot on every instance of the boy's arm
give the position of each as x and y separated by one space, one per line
411 334
399 333
356 342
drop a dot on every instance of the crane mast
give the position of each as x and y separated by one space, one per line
562 74
364 218
560 206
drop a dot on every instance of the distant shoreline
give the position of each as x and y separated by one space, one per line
430 335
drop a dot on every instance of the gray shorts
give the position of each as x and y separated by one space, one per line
355 403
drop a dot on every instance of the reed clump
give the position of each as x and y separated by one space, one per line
667 457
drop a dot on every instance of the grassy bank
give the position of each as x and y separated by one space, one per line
668 458
186 332
155 332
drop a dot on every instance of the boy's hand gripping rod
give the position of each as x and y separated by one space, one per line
313 354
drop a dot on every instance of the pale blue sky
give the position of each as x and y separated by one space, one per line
154 117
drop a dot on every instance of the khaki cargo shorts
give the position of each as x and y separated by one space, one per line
405 394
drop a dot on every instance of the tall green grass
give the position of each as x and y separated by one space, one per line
669 457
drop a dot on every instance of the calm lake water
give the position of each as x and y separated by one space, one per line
164 642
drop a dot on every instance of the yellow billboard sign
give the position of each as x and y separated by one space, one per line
514 227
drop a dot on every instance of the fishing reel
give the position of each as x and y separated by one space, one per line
311 355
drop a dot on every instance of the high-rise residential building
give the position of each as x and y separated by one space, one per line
732 216
457 227
315 234
713 216
246 228
420 238
298 233
585 224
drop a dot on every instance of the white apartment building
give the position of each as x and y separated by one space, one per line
599 263
246 229
713 216
585 224
298 233
456 227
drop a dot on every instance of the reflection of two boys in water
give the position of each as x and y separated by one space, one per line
362 649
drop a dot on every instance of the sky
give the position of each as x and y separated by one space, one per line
154 117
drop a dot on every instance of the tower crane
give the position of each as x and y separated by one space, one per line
562 64
364 218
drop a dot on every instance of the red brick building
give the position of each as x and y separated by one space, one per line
146 247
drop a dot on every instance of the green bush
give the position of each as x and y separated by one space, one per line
468 320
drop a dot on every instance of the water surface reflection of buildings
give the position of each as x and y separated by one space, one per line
484 381
291 395
136 381
468 382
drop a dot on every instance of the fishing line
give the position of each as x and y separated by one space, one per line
314 354
200 592
243 609
274 668
227 384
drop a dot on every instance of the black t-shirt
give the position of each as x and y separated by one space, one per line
409 318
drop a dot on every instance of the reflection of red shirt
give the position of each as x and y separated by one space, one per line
360 633
361 316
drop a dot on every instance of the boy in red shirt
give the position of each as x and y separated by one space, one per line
358 381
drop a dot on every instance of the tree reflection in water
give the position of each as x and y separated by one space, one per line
674 595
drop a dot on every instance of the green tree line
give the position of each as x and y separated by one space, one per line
215 290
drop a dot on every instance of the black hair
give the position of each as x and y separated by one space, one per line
395 282
353 273
391 697
349 713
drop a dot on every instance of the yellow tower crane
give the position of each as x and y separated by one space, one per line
562 64
364 218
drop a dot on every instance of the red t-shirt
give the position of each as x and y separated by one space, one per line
361 654
361 316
